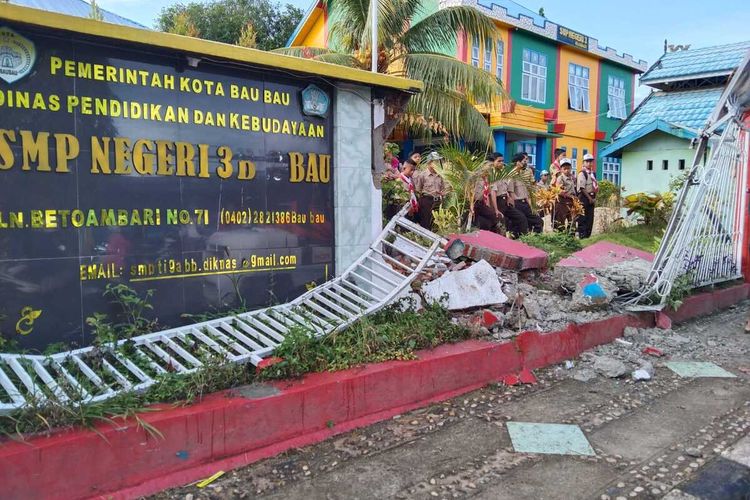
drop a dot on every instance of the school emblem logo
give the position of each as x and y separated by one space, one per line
315 102
17 55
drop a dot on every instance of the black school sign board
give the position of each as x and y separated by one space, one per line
208 182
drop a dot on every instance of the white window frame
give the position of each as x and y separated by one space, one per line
611 169
578 88
488 55
499 59
574 160
530 149
475 51
534 77
616 98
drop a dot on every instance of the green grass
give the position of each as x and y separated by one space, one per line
557 245
641 236
390 334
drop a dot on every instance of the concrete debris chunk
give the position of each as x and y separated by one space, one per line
610 367
592 292
477 286
584 375
640 375
498 250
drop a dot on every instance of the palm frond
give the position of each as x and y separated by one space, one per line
340 59
448 73
454 112
349 21
440 30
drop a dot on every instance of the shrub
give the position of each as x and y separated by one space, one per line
558 244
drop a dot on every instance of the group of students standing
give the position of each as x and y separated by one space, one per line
504 205
583 187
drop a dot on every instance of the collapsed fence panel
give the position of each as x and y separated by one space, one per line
395 259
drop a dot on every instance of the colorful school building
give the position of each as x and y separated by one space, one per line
565 89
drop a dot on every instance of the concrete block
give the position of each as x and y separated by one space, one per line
476 286
498 250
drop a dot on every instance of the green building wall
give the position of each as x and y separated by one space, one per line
520 41
657 147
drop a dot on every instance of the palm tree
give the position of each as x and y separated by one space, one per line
413 48
462 169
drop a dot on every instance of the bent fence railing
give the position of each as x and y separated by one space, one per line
91 374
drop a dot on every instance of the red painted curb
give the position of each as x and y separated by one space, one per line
709 303
226 430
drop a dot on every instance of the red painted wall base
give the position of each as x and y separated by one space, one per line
227 430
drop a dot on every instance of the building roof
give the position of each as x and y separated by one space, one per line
660 125
78 8
689 109
696 63
193 46
513 14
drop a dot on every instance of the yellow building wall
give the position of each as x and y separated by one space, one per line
577 123
313 34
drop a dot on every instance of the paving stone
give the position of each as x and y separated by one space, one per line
698 369
556 439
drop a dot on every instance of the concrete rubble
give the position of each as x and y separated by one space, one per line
506 281
498 250
476 286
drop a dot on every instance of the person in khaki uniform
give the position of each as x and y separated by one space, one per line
565 202
514 219
520 192
485 212
587 187
430 188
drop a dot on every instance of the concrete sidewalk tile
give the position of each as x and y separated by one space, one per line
696 369
740 452
556 439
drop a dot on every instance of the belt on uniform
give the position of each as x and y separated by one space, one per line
434 198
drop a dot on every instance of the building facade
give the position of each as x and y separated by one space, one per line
655 143
565 90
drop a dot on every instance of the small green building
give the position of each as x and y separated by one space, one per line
655 142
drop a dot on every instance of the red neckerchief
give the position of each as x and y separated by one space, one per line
412 194
486 191
594 183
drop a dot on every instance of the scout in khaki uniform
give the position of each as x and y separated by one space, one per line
554 167
521 197
587 187
514 219
430 188
485 212
565 202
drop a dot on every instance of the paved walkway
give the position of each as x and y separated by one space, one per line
671 437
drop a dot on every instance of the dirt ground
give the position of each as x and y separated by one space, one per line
653 439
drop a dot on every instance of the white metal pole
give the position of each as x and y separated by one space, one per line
374 17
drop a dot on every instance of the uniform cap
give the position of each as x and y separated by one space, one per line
544 172
434 156
565 161
588 157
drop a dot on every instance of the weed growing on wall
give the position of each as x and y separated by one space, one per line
387 335
131 319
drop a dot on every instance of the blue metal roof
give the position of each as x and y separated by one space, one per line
78 8
668 128
691 63
689 108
